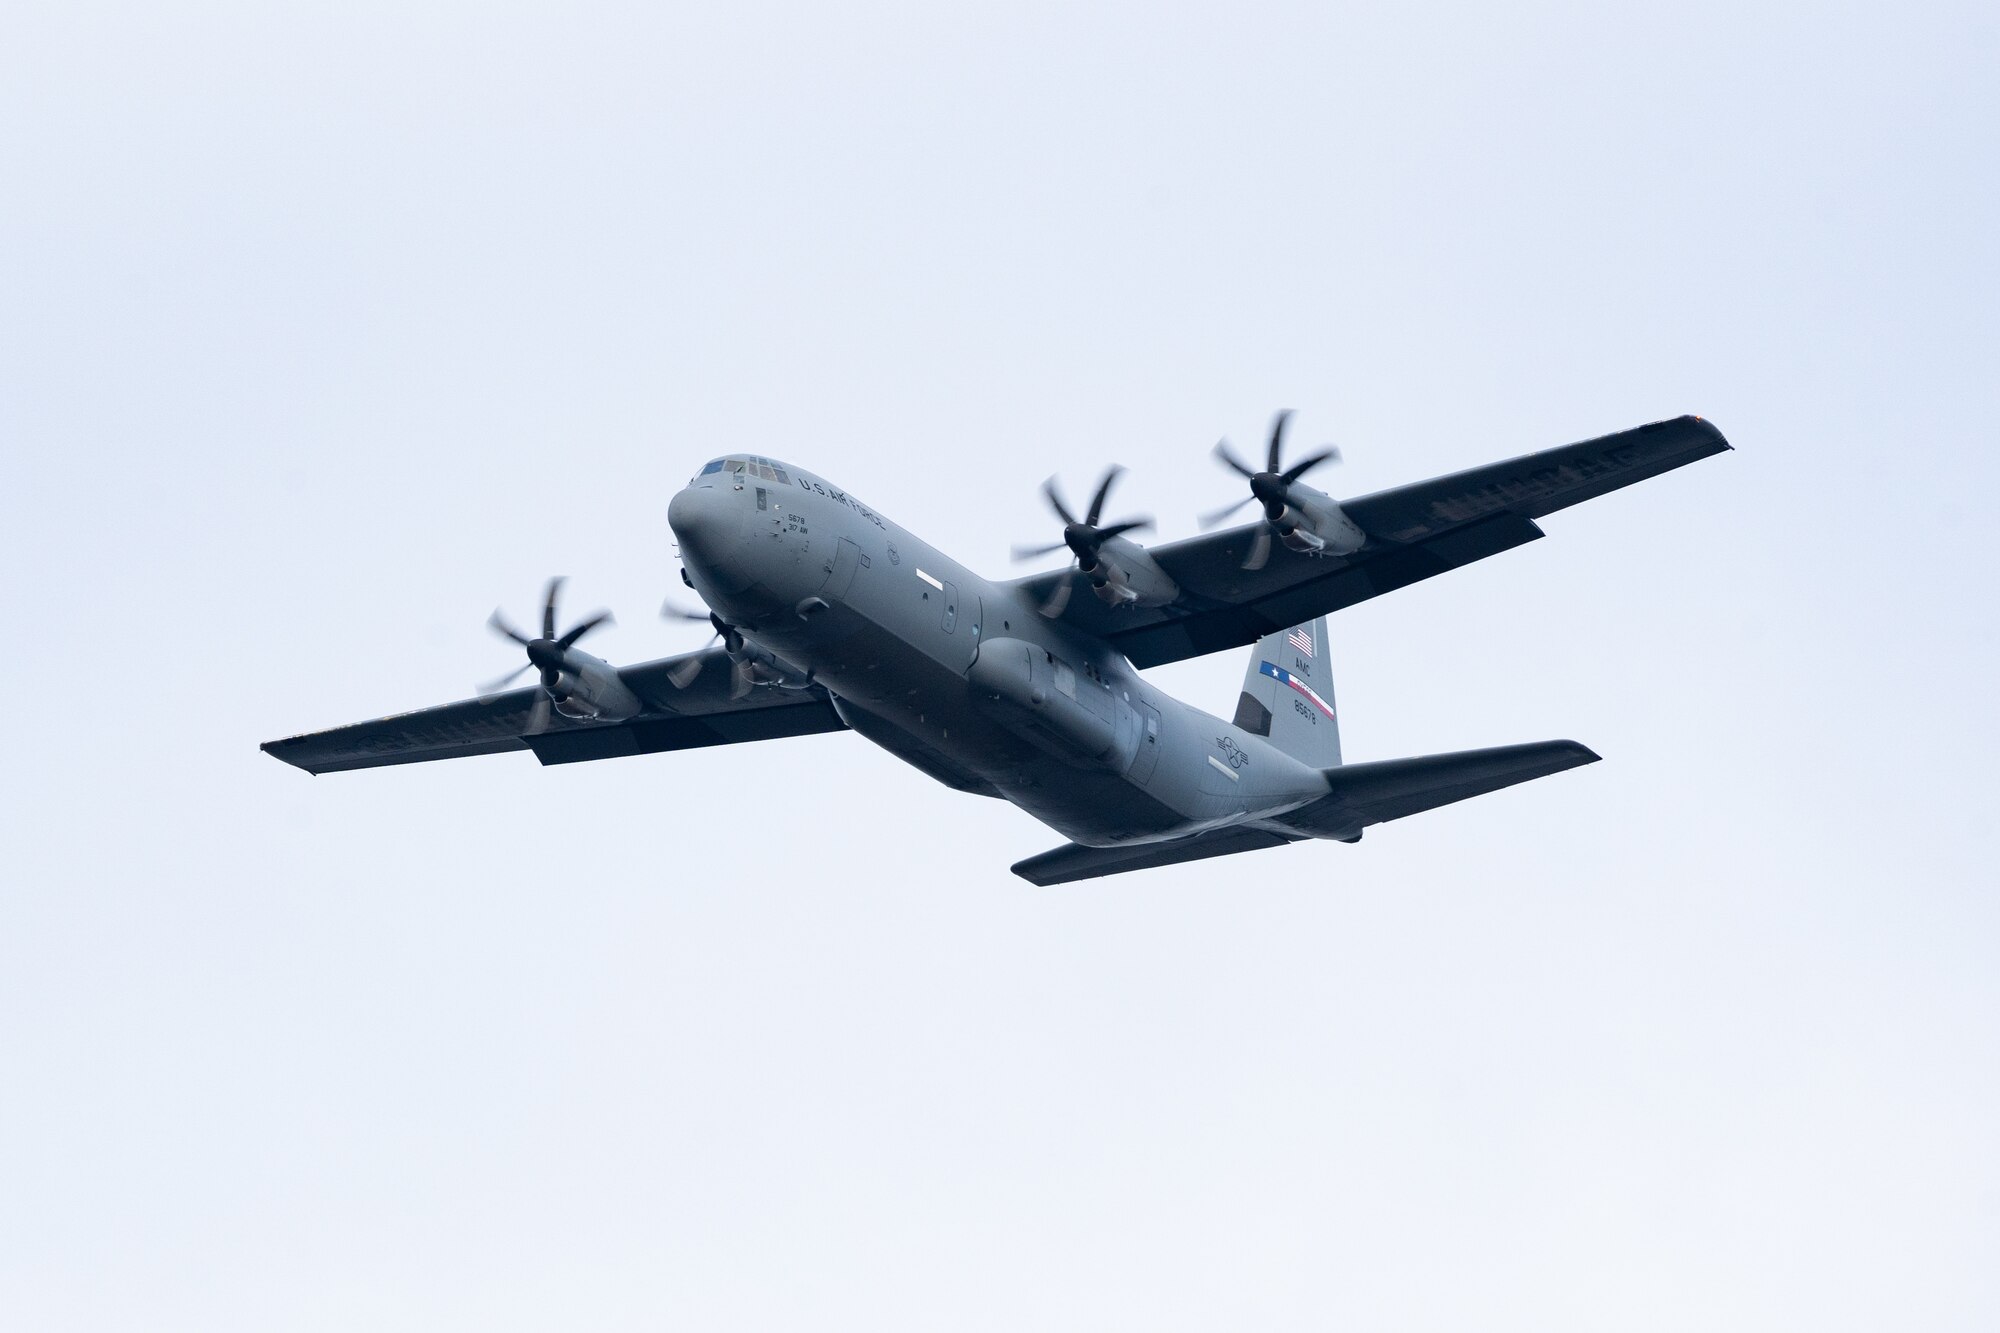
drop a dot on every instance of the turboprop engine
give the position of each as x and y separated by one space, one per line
749 665
1315 524
1119 571
592 692
1304 519
1122 574
577 685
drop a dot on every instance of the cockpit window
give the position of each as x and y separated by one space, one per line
756 467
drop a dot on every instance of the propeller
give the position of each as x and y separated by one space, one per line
683 675
549 651
1083 536
1272 487
742 671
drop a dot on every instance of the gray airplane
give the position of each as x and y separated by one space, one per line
830 617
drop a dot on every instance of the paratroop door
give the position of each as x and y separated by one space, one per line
1147 757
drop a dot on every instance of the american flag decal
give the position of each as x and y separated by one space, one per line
1302 639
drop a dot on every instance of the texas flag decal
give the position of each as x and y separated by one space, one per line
1284 677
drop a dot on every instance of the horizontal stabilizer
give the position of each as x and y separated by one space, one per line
1074 861
1364 794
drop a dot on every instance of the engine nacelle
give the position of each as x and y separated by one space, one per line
1317 525
1124 575
763 668
590 690
1296 536
575 708
1048 703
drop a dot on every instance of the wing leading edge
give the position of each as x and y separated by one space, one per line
1415 532
674 719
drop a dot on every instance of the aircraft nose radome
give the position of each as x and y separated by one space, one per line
704 521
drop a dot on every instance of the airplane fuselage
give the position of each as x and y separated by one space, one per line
964 678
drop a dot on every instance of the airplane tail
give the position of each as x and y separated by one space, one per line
1288 695
1359 795
1288 699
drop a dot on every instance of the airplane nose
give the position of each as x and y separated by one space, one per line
708 524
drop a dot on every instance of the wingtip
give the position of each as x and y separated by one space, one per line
276 750
1713 431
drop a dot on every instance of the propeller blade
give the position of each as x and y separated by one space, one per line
498 624
1216 516
549 608
740 678
1305 465
1120 529
1058 601
683 675
1278 425
1056 501
668 611
493 687
569 640
1260 548
1227 457
1103 489
1030 552
538 716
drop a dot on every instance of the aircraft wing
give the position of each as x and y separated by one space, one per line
673 719
1414 532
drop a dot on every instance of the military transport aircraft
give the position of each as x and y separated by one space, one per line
830 617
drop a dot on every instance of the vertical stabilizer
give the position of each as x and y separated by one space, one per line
1288 695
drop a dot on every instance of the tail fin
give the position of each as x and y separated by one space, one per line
1288 695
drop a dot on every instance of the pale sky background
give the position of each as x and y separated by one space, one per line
324 329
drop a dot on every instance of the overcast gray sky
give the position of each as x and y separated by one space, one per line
324 329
